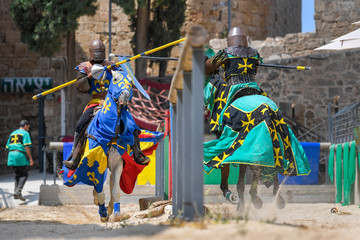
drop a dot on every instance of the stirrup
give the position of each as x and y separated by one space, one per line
69 164
142 159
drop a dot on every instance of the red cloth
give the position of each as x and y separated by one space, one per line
131 170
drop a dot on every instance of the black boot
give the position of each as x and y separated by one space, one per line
19 187
139 157
70 161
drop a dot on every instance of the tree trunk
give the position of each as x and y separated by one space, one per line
141 41
71 92
162 68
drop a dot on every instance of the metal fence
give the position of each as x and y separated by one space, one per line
337 128
342 124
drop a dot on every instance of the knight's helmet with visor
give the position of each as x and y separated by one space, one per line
97 50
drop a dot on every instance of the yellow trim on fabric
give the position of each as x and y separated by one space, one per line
148 173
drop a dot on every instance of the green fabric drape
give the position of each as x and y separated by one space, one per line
349 172
331 163
345 161
338 173
347 189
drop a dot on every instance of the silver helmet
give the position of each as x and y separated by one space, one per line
97 51
237 37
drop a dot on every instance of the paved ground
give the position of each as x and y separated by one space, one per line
31 189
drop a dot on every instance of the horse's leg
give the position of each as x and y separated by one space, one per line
256 200
224 186
99 198
280 202
241 188
116 166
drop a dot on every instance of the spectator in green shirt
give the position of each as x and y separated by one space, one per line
20 157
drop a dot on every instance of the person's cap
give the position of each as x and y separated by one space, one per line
24 122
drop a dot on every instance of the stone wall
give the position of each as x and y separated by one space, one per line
260 18
333 18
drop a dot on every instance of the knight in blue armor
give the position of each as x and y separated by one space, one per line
97 88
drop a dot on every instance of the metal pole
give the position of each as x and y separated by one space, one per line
44 165
159 168
186 141
109 29
178 163
229 15
41 133
197 132
174 155
54 165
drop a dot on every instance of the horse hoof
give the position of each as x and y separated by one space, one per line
240 208
110 211
104 219
104 216
232 198
280 202
257 202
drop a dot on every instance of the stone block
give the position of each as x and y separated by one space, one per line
334 91
29 63
12 36
4 110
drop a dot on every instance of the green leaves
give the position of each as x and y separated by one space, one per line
43 23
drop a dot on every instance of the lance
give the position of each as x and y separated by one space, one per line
175 59
111 66
145 57
284 66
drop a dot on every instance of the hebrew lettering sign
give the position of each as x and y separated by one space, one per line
25 84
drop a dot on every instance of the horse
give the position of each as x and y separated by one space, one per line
250 132
108 136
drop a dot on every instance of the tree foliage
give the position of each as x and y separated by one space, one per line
167 17
43 23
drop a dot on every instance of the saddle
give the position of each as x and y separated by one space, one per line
246 91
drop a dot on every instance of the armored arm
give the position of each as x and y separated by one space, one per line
83 82
213 64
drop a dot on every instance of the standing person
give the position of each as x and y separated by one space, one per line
20 157
97 88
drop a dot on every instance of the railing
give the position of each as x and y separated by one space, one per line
343 124
187 133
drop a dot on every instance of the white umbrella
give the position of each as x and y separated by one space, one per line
349 36
341 45
348 41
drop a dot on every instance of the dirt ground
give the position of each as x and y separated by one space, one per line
295 222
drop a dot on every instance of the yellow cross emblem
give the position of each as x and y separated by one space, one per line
216 122
277 157
245 66
247 123
14 139
281 121
221 100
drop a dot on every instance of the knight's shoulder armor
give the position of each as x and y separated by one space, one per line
243 52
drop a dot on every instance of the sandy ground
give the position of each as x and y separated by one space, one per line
295 222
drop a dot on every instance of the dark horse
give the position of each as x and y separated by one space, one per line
250 132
